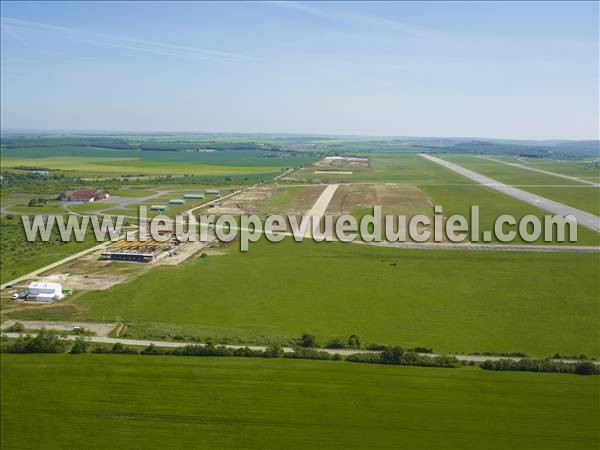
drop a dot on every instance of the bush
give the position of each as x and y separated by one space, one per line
375 347
16 327
308 353
100 349
422 350
45 342
392 355
308 340
542 365
119 348
372 358
336 343
273 351
397 356
80 346
587 368
353 341
153 350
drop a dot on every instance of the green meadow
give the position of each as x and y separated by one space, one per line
95 401
453 301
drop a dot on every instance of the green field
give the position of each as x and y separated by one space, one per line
19 257
453 301
84 161
572 193
95 401
582 169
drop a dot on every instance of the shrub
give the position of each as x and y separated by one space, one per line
422 350
372 358
80 346
308 353
153 350
336 343
45 342
308 340
542 365
587 368
119 348
16 327
100 349
392 355
375 347
273 351
353 341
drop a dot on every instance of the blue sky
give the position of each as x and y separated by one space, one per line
503 70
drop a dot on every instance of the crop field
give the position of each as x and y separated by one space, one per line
537 303
572 193
93 401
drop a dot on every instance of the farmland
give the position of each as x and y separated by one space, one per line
59 401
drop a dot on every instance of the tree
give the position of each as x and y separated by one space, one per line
80 346
354 341
308 340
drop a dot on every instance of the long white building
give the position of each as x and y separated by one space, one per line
45 291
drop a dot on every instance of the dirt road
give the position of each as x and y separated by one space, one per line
320 206
584 219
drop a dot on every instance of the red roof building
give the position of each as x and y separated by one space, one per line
87 195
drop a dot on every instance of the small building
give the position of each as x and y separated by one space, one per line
44 291
158 207
176 201
193 196
87 195
212 192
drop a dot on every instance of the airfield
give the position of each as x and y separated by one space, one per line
467 299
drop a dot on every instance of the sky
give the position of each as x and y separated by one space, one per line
515 70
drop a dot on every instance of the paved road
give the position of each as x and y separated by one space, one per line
547 172
343 352
584 219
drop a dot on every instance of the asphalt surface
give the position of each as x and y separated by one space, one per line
583 218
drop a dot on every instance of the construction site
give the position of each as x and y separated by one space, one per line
139 251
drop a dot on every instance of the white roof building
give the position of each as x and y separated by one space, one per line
45 290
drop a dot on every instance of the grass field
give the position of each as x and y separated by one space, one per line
581 169
453 301
572 193
18 256
93 401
